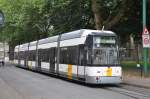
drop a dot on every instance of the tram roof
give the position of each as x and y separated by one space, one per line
74 34
33 43
25 45
17 47
85 32
48 40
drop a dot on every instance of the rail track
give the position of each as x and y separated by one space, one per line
130 91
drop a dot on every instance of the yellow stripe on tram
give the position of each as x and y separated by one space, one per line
69 71
109 71
30 65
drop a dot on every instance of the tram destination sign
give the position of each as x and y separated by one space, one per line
146 38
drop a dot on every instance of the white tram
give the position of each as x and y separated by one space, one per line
85 55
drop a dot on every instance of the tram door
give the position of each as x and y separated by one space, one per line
82 62
52 59
39 58
25 58
19 61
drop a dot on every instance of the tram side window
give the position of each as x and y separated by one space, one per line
42 54
32 55
73 55
16 55
39 54
68 55
52 55
89 56
82 56
21 55
64 55
25 54
45 55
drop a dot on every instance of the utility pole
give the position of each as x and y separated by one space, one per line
145 52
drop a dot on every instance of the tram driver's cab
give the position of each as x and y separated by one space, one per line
102 49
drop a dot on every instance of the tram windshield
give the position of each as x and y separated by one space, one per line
104 51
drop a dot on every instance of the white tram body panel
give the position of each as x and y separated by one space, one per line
45 65
94 74
103 71
100 75
72 42
16 50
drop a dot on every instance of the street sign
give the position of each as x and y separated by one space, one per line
146 38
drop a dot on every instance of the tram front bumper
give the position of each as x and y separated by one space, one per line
103 79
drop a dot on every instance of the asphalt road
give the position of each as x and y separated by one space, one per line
17 83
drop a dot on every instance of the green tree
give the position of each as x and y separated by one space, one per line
108 12
67 15
21 16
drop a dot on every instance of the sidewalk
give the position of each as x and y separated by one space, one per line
137 81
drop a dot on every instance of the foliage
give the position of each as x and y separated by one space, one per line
20 16
28 20
130 67
68 15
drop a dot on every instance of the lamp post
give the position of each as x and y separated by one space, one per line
144 49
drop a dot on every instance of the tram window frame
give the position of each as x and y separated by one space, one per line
21 55
26 55
32 55
73 55
52 55
44 55
15 55
47 55
63 55
69 55
89 50
39 54
89 41
82 55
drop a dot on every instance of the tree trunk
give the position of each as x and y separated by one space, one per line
114 20
97 16
11 52
132 43
111 20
